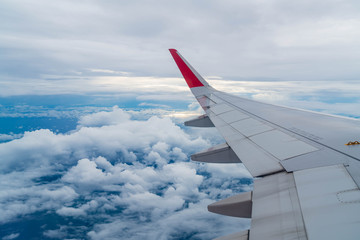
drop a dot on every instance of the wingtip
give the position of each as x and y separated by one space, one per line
186 70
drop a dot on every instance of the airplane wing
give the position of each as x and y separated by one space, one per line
305 164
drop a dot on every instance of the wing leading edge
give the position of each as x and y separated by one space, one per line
308 179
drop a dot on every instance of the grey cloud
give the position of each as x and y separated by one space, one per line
57 233
11 236
80 211
257 39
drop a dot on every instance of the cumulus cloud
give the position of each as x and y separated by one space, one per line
29 197
190 223
117 135
115 171
104 118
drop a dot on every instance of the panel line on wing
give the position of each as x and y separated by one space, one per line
281 145
250 126
317 142
221 108
233 116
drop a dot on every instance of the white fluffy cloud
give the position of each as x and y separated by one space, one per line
104 118
114 170
26 198
190 223
117 134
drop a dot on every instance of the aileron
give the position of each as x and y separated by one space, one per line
320 191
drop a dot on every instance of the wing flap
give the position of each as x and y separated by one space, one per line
276 212
330 202
244 235
256 160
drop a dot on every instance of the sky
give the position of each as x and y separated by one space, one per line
92 144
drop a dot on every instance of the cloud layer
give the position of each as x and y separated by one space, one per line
123 178
64 40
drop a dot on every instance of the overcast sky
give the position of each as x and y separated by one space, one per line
246 40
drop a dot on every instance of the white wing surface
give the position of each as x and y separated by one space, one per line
306 164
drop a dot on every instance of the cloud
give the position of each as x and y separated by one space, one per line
259 40
108 71
115 171
191 222
57 233
122 136
312 95
26 198
104 118
80 211
144 104
9 137
11 236
129 86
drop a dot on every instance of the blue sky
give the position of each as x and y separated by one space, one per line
92 144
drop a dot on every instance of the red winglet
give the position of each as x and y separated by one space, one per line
189 76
